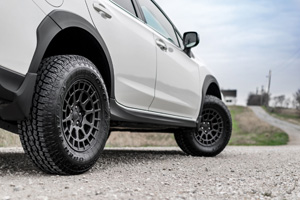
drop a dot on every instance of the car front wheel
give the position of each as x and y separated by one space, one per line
213 134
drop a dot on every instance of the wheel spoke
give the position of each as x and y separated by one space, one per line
92 95
92 111
80 96
69 118
211 128
81 120
89 89
91 125
85 103
95 102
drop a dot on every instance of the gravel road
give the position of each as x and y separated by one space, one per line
292 130
161 173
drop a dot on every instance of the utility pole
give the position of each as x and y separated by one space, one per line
269 86
261 95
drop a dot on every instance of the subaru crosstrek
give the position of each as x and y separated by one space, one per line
73 71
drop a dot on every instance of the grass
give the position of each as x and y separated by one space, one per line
287 114
249 130
8 139
236 111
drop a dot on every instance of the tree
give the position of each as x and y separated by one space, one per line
253 100
297 98
258 99
287 102
279 100
294 103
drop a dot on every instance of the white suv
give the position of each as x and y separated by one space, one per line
73 71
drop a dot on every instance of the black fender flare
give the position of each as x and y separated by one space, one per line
57 21
209 79
21 99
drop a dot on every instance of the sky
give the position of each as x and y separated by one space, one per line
241 40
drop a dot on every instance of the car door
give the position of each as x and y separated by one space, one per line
132 50
177 89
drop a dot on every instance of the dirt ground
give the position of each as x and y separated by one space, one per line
160 173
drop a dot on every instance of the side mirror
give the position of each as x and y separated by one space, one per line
190 40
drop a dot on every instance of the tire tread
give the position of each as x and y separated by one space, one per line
184 137
40 147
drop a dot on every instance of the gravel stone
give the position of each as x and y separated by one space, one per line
161 173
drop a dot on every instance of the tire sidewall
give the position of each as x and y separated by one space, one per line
217 147
74 159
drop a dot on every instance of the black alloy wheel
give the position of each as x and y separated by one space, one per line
211 127
81 115
213 133
69 123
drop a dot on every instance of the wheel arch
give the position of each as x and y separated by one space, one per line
210 87
63 32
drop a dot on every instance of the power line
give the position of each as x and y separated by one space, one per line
269 84
289 64
284 63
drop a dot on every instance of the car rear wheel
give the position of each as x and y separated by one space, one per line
69 122
213 133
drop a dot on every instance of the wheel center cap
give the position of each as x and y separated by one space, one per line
75 115
205 126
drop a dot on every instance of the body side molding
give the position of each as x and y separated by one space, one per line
122 117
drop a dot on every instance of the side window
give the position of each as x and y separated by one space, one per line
158 21
127 5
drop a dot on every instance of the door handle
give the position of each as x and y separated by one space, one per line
100 8
161 44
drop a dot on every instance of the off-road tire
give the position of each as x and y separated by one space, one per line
69 122
214 130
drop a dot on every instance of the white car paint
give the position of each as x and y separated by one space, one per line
19 21
177 88
166 83
73 6
132 49
55 3
18 31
